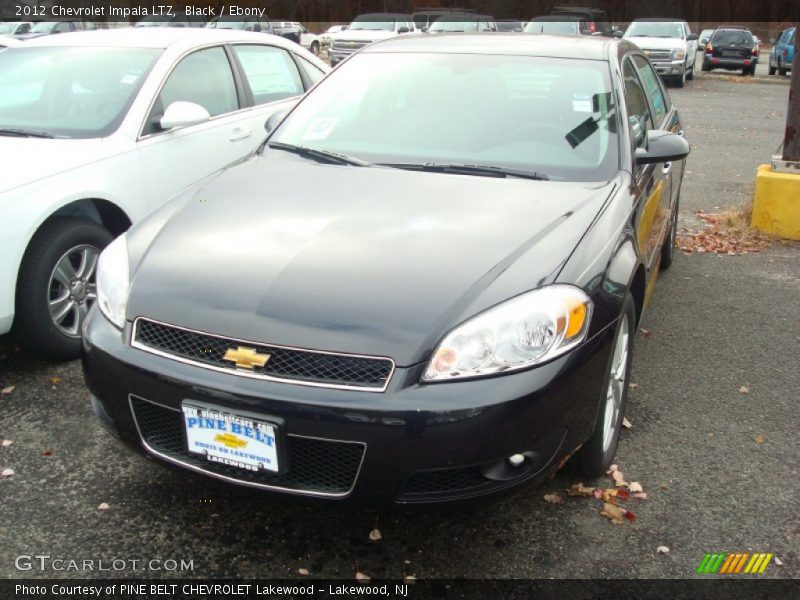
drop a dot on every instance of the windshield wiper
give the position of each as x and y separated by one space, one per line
316 153
463 169
25 133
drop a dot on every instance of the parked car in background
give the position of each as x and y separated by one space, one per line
731 49
327 36
98 129
246 24
177 18
558 25
670 46
366 29
422 19
7 42
703 38
463 23
509 25
288 30
596 19
447 308
782 53
308 40
15 27
41 28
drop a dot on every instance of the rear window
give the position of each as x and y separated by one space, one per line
732 36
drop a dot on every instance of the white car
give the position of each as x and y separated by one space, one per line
310 41
8 42
366 29
15 27
327 37
670 46
98 129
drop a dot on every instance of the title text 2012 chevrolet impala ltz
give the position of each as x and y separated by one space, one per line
452 317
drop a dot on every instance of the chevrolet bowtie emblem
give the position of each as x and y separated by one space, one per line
246 358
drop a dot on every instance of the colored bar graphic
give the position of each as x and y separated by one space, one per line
732 563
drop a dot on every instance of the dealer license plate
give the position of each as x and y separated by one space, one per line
230 439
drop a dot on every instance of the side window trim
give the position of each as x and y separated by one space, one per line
246 98
246 84
659 83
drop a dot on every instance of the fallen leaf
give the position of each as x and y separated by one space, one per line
744 390
362 577
7 443
626 424
55 380
7 390
760 439
375 535
103 506
553 499
646 332
778 561
613 512
611 469
622 494
630 516
664 486
662 550
7 473
635 487
641 496
48 453
578 489
410 579
618 477
302 571
633 386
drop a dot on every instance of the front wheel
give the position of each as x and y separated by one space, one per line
315 48
690 72
772 70
57 286
597 454
680 79
781 69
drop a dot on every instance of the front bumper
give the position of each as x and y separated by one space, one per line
674 68
412 444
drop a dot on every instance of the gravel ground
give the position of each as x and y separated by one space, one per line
720 466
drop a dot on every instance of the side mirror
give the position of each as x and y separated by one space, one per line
662 146
691 37
183 114
618 33
403 30
274 120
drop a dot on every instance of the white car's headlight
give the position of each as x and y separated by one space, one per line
528 329
678 54
113 281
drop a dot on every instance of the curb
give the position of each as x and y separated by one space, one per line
769 80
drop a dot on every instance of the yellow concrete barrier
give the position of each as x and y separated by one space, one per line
776 205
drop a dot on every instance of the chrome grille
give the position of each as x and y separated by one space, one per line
658 55
293 365
316 467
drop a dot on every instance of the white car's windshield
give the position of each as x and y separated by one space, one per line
443 25
543 114
661 29
69 92
567 27
368 25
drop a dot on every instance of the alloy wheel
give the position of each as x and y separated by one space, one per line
73 289
616 383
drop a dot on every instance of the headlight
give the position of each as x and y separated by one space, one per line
678 54
526 330
113 281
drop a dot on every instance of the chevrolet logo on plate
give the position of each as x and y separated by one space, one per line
246 358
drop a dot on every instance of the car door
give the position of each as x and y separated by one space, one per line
173 159
691 45
652 186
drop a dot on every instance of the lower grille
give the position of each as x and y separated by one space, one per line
444 484
316 467
292 365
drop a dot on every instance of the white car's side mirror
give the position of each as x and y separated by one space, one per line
183 114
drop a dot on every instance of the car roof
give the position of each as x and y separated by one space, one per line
155 37
381 16
514 44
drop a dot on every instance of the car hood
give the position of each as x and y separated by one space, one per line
26 160
369 261
362 35
654 43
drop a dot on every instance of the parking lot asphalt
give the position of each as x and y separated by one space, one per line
713 439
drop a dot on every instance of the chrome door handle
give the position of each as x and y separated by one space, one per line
240 134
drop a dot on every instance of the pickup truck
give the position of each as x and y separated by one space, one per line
366 29
670 46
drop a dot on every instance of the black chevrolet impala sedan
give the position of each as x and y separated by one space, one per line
424 286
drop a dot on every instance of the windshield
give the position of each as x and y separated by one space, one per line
732 36
227 24
70 92
8 27
552 27
655 29
44 26
544 114
447 25
509 26
369 25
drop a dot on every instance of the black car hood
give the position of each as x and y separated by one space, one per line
371 261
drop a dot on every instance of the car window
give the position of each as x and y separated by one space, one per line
314 73
639 116
205 78
63 27
652 88
270 71
732 36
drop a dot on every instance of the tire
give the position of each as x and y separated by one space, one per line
668 249
40 289
705 67
781 70
680 79
690 72
597 454
315 48
772 70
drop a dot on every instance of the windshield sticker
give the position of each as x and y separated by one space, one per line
581 103
320 129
